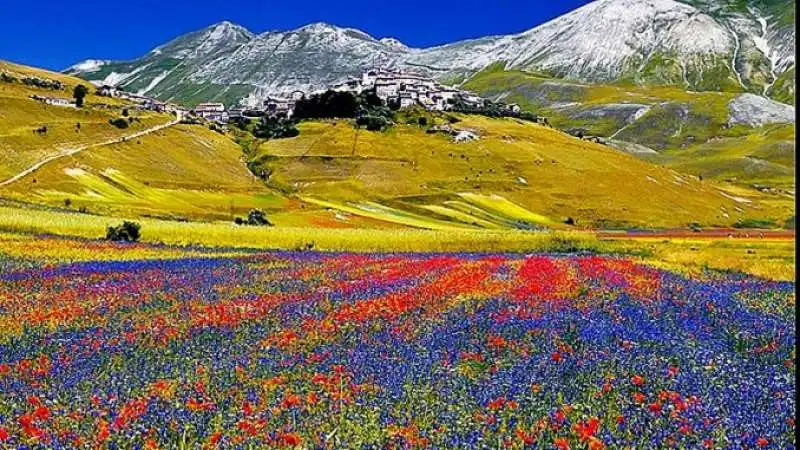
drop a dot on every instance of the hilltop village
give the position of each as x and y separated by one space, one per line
398 88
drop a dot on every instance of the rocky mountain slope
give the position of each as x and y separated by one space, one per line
733 45
706 46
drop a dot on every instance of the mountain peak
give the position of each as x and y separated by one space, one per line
227 28
319 27
394 43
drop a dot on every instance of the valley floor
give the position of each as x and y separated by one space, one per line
155 346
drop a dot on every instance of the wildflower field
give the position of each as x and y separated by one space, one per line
313 350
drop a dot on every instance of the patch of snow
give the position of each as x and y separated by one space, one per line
88 66
154 82
755 110
597 41
394 43
736 48
762 44
115 78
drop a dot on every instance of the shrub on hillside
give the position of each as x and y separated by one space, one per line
42 83
79 93
491 109
755 223
255 217
372 123
275 128
242 123
127 232
119 123
258 218
328 105
6 78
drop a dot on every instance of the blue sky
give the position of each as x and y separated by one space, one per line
55 34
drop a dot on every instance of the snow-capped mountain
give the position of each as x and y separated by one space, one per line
698 44
646 41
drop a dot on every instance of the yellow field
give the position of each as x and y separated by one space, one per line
516 172
773 259
20 115
228 235
184 171
701 143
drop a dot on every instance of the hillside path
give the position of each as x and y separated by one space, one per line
80 148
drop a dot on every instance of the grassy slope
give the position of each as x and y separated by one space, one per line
689 129
407 175
20 115
185 171
517 175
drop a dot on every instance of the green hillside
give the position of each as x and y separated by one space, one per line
516 175
688 131
20 115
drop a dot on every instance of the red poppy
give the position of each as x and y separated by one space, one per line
289 439
655 407
637 380
3 434
762 442
587 430
556 356
497 403
215 438
525 437
103 432
290 401
42 413
561 443
495 342
596 444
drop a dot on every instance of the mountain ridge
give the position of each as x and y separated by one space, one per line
695 44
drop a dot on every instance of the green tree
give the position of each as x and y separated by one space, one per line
79 93
127 232
258 218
